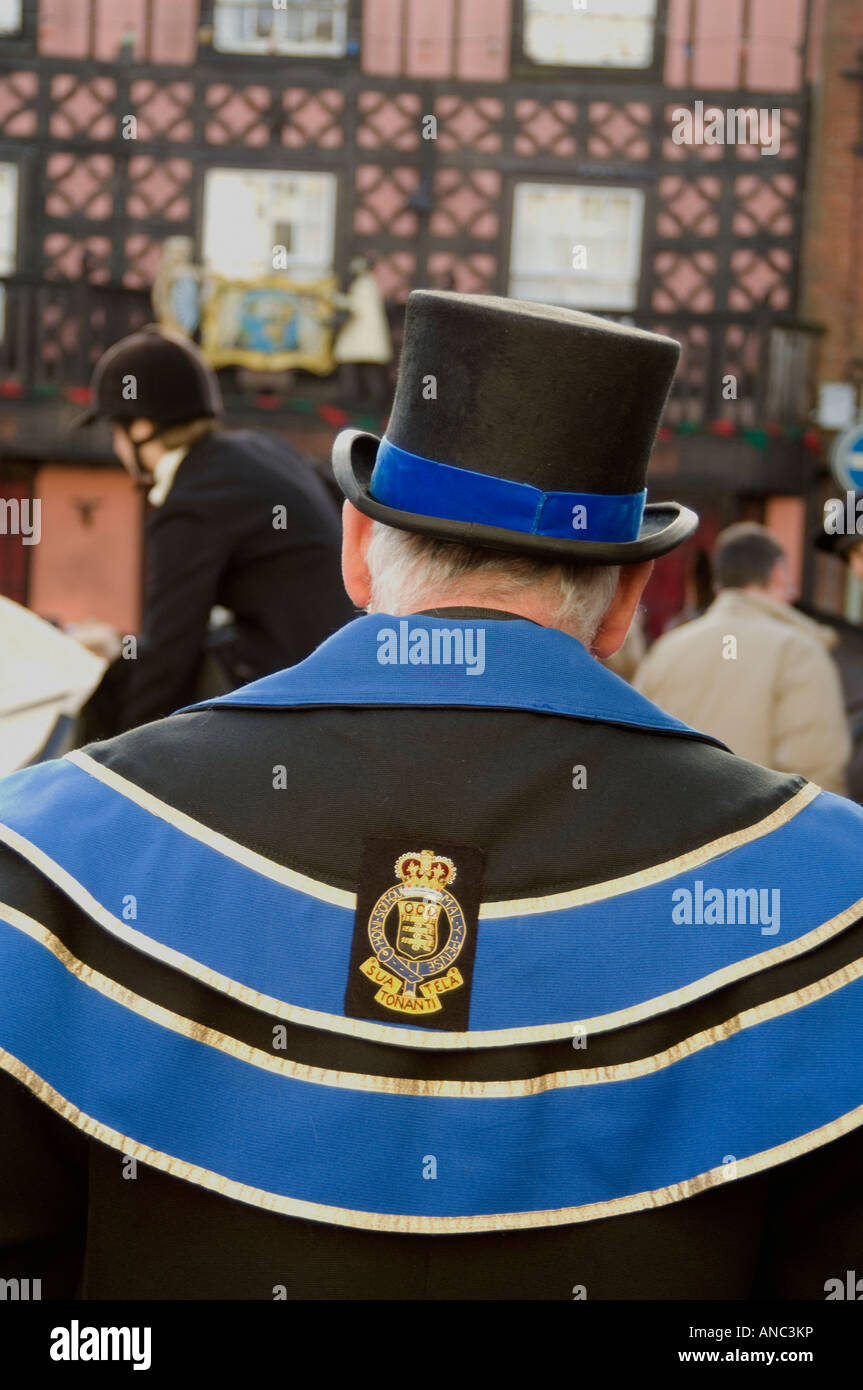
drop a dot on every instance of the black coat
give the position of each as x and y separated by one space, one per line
214 542
498 778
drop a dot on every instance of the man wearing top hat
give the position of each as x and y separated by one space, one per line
442 965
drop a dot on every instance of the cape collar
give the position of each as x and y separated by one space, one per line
468 613
496 661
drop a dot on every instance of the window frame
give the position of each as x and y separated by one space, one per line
340 234
22 43
12 157
524 66
626 181
207 51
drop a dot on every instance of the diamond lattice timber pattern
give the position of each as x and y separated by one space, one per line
721 241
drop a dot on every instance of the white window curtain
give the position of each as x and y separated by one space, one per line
8 232
257 26
10 16
577 245
250 212
8 218
601 33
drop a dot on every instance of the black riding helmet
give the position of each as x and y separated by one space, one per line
152 375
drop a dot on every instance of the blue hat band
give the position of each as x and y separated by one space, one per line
411 483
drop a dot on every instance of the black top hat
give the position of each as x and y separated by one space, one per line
521 427
173 382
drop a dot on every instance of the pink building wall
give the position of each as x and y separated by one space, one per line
114 18
64 28
469 39
68 29
707 46
87 570
706 42
711 47
786 518
175 31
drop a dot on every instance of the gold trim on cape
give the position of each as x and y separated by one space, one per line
213 839
390 1085
513 907
406 1037
420 1225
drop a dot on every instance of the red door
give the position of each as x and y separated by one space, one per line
16 485
679 587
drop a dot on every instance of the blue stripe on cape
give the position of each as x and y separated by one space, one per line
532 968
341 1149
355 1153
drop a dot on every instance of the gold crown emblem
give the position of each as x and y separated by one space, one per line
425 869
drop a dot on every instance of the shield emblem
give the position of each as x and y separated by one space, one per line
417 935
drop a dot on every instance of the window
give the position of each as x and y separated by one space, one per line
250 212
8 218
11 18
578 246
8 232
593 34
292 26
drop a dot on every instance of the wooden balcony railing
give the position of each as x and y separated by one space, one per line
751 371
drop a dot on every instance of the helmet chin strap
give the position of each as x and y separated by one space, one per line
142 477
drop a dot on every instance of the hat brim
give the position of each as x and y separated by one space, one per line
664 526
87 417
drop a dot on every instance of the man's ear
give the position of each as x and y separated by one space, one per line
612 631
356 534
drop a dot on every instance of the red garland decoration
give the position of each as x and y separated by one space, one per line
334 415
812 441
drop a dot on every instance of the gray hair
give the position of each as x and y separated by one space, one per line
407 568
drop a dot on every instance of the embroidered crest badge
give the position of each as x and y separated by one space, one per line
421 934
